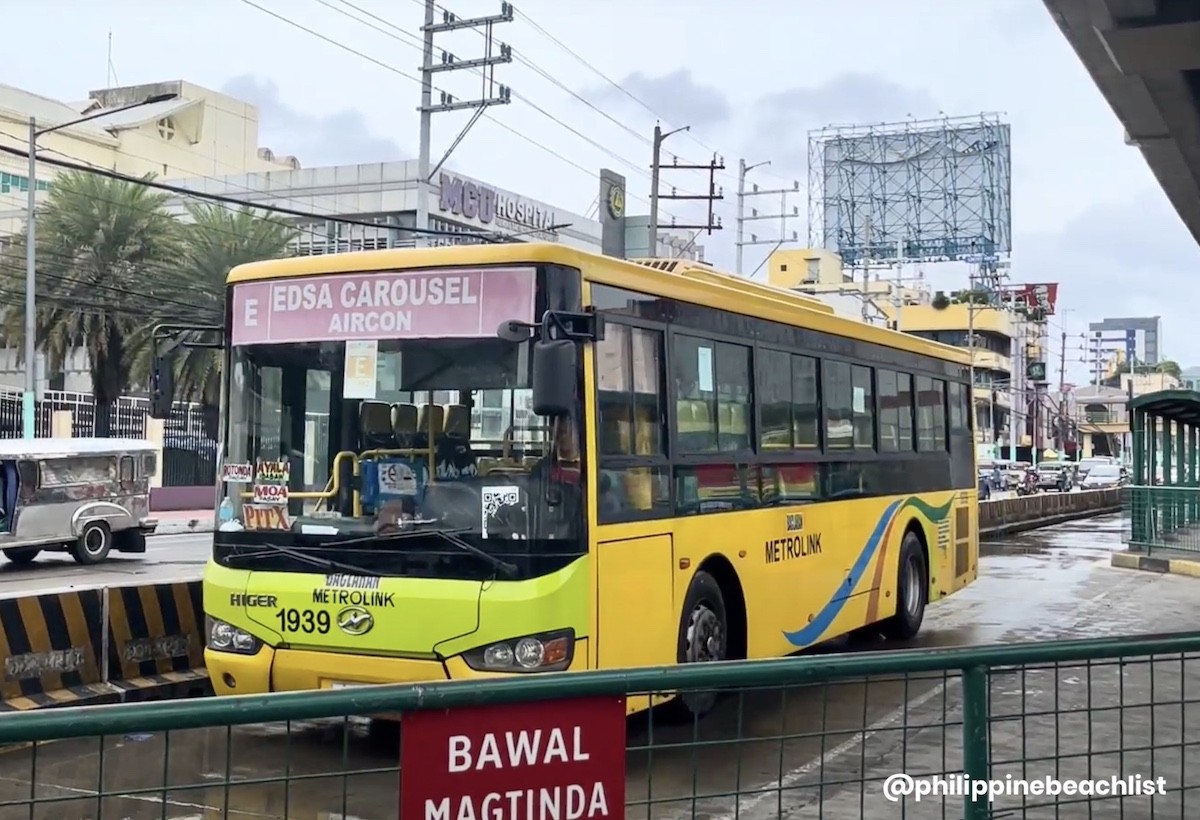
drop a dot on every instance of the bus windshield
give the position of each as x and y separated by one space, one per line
394 456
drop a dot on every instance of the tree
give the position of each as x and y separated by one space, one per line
217 240
105 252
1170 368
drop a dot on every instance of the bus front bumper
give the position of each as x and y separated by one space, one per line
290 670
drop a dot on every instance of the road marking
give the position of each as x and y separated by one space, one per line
140 798
746 806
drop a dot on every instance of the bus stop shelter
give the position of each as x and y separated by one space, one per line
1164 499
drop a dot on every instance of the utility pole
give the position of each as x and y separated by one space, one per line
783 216
656 168
491 93
865 256
1062 392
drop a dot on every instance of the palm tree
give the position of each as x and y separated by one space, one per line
217 239
106 249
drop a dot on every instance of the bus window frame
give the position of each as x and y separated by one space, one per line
619 304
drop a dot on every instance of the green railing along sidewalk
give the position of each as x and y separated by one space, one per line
821 736
1162 518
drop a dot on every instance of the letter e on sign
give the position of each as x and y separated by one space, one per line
470 762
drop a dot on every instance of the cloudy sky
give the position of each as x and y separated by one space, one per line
590 79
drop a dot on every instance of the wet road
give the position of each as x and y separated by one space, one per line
167 558
772 746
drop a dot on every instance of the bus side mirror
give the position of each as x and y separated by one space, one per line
162 388
555 365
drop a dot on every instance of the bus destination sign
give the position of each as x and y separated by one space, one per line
452 303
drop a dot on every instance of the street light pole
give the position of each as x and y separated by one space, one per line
29 397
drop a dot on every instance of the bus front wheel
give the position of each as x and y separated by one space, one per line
912 591
703 637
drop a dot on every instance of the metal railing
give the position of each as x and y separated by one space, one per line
816 736
1162 518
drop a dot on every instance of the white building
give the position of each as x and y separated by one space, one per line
199 133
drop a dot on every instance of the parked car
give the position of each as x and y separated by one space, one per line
1105 476
1056 475
1088 464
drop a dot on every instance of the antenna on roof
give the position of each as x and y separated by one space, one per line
111 75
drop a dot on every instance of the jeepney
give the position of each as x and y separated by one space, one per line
84 496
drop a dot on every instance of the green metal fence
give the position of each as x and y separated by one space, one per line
1162 518
817 736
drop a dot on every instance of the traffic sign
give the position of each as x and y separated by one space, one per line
556 758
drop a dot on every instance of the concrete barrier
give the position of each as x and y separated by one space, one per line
102 645
1005 516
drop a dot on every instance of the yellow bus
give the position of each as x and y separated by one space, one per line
509 459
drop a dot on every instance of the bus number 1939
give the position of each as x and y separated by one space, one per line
303 620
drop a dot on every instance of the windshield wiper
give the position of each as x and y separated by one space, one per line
449 536
303 557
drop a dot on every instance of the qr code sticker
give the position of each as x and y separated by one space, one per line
494 499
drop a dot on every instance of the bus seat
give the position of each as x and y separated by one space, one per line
404 423
431 416
646 430
685 420
734 430
458 421
375 425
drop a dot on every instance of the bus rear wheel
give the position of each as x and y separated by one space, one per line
912 591
703 638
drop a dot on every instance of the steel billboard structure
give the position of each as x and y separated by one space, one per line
922 190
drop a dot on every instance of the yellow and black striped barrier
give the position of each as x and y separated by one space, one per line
102 645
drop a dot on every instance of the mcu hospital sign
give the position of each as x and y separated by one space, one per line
477 201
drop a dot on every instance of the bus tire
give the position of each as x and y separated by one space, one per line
912 591
94 543
22 556
703 638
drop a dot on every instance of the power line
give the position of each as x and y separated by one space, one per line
515 132
181 191
407 39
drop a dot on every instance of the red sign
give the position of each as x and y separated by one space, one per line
1040 299
560 758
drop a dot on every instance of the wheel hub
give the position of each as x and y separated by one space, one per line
705 639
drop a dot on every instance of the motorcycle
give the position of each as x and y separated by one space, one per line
1029 485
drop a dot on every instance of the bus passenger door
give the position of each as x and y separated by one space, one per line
636 619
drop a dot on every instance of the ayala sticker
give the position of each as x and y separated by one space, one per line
427 304
269 472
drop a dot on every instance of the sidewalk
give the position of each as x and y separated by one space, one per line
177 522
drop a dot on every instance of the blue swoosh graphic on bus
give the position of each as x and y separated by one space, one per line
813 630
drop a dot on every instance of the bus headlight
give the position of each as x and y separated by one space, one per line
228 638
544 652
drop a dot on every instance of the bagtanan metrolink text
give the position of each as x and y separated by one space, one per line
898 786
